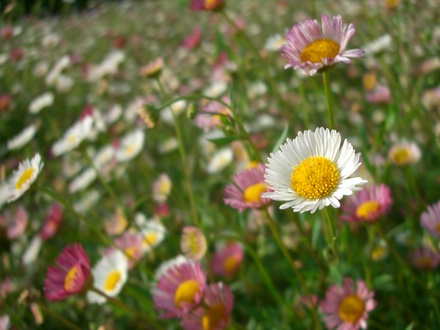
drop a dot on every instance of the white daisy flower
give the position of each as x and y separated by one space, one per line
41 102
152 231
312 171
109 276
177 108
22 138
221 159
83 180
131 146
22 178
73 137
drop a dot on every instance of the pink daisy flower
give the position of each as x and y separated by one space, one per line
131 245
425 258
347 307
227 260
368 205
211 115
215 314
247 190
180 286
70 275
431 219
312 47
192 40
52 222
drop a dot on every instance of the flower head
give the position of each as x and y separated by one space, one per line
312 171
227 259
212 5
69 276
348 306
215 314
52 222
73 137
180 286
404 153
247 190
431 219
130 146
23 178
193 243
109 276
312 47
368 205
153 69
425 258
162 188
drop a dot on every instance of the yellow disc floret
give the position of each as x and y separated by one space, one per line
24 178
351 308
315 177
320 49
186 293
367 210
253 193
112 280
69 281
214 316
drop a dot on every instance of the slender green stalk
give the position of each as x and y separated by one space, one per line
57 316
291 262
328 96
304 104
333 232
188 185
119 304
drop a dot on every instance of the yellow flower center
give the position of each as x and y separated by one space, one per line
369 81
378 253
437 228
230 264
320 49
112 280
27 174
424 262
69 281
150 238
71 139
315 177
401 156
214 316
252 164
253 193
129 150
186 292
130 252
367 209
211 4
351 308
193 244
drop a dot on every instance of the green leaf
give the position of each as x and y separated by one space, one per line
225 140
282 138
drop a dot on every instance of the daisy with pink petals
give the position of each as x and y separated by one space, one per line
227 259
347 306
70 275
211 115
180 286
425 258
131 245
312 47
211 5
368 205
431 219
215 313
247 190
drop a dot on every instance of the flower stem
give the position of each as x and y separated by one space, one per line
304 104
298 274
57 316
333 232
187 183
328 96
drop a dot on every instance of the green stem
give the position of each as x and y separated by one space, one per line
333 232
291 262
188 185
304 104
57 316
328 96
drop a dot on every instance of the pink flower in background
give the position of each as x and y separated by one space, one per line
131 244
425 258
379 95
312 47
69 276
180 286
193 40
430 219
193 243
5 102
15 223
247 189
227 260
210 115
367 205
347 306
52 222
207 4
214 313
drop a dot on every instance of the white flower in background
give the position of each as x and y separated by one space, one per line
131 145
131 112
50 41
64 83
256 89
23 177
103 156
377 45
73 137
41 102
99 125
206 146
32 250
221 159
41 69
177 108
168 145
83 180
87 201
216 89
22 138
4 189
59 66
161 188
109 66
113 114
274 43
152 231
109 276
